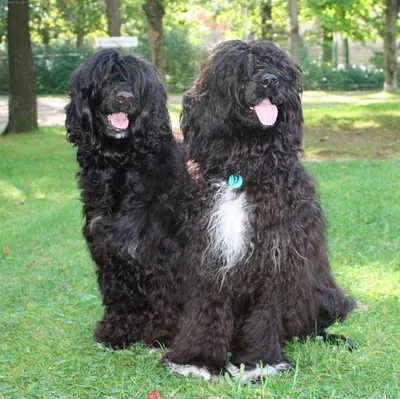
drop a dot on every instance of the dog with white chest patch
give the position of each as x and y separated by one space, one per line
257 268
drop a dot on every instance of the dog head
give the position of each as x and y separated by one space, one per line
245 88
114 97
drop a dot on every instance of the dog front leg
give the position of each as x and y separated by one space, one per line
202 343
122 325
258 346
126 309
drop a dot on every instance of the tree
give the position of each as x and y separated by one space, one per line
327 44
266 20
83 19
113 17
22 93
42 20
154 10
355 19
45 21
294 29
390 56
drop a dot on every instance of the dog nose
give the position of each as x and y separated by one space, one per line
124 97
268 80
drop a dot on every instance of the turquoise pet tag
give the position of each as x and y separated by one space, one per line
235 181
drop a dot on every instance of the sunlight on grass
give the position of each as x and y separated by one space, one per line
377 281
9 191
39 195
365 124
356 98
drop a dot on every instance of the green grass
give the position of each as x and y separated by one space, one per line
49 301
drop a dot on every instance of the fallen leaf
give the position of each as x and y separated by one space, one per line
154 395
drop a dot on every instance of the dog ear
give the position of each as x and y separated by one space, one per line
154 116
78 118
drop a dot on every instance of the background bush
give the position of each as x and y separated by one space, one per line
55 64
321 76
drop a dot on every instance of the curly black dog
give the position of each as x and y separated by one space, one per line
131 171
257 266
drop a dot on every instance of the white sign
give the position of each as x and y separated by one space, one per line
117 41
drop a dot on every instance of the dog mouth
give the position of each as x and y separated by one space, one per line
265 112
118 122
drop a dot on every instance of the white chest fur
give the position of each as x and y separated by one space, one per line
228 227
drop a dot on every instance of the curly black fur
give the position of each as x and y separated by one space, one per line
131 180
275 282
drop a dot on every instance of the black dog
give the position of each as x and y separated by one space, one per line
131 171
257 265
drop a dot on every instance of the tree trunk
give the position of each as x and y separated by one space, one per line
22 112
294 30
46 35
45 32
266 20
80 24
113 16
346 53
154 10
79 37
390 56
327 46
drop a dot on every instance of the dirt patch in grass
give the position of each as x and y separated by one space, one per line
363 126
348 143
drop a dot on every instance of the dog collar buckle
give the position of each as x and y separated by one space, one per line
235 181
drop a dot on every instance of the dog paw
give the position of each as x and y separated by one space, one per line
255 373
187 369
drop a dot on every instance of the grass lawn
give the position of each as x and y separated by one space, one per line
49 300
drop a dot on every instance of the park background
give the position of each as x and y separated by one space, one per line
49 301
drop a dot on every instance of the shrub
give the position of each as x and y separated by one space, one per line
54 66
324 77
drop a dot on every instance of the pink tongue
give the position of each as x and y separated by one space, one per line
266 112
118 120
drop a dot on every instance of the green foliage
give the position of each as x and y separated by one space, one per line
51 20
183 61
232 17
185 50
356 19
188 33
321 76
54 66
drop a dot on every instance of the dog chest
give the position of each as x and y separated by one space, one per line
228 226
